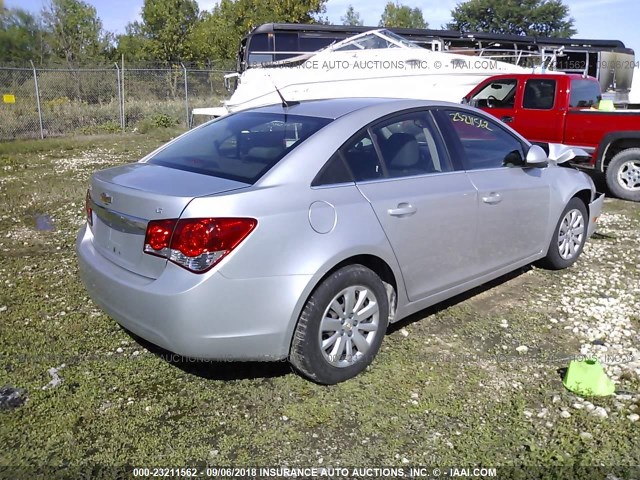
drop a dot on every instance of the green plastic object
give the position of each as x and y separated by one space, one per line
587 377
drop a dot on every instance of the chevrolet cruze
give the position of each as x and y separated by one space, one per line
300 231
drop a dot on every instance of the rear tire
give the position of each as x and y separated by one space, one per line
569 236
341 327
623 175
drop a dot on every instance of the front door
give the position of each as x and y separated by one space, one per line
513 201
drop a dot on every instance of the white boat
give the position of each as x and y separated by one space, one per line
377 63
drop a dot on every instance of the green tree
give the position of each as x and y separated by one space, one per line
134 43
21 36
219 33
351 17
74 31
168 26
397 15
519 17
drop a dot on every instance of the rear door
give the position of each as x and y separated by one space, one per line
426 208
541 118
513 203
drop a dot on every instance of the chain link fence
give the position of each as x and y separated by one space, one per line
46 102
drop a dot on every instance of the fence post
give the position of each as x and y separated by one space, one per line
120 98
124 117
186 93
35 80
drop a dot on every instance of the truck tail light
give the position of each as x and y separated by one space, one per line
88 209
196 244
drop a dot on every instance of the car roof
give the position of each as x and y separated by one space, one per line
337 107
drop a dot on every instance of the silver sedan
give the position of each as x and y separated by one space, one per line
300 231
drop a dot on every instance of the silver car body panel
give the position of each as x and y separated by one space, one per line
247 306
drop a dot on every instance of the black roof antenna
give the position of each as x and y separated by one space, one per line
285 104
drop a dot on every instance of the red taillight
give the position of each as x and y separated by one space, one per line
196 244
87 208
159 234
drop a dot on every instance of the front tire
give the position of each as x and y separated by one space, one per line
341 327
623 175
569 236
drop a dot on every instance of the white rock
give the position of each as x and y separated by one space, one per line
528 414
543 413
634 417
600 412
119 350
578 406
565 414
284 418
586 436
404 332
522 349
3 308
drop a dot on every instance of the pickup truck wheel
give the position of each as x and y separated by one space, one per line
623 175
341 326
568 237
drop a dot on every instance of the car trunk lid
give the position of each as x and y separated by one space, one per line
126 198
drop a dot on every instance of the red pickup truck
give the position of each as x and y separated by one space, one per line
567 109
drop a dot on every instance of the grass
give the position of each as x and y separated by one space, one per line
447 389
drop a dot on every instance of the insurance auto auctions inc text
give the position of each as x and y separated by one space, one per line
374 472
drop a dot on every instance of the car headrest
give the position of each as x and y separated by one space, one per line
401 150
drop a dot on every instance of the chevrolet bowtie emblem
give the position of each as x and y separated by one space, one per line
106 198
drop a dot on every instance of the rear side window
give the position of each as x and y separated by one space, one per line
362 158
240 147
409 146
539 94
584 94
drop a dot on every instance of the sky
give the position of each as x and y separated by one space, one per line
594 19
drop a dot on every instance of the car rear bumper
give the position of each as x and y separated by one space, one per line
595 209
205 316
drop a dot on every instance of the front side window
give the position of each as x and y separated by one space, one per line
241 147
539 94
485 143
498 94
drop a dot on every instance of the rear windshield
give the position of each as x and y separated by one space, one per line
584 94
239 147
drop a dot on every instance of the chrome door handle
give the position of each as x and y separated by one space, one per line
493 198
403 210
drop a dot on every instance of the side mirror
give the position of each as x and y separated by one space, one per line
536 157
464 101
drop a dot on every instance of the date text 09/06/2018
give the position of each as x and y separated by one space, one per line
313 472
602 64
